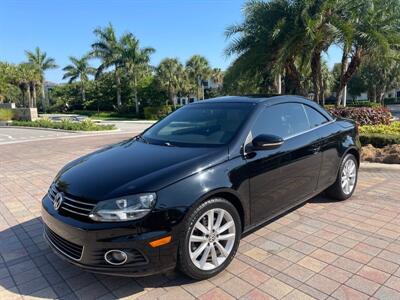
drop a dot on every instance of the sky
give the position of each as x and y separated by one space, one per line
175 28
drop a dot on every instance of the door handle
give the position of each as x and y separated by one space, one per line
315 149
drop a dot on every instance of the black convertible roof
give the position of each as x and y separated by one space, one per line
266 100
253 99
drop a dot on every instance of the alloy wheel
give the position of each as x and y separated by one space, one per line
348 178
212 239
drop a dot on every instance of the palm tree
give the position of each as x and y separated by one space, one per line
79 69
136 62
186 87
26 77
217 76
41 63
375 29
319 21
198 69
269 42
108 49
169 75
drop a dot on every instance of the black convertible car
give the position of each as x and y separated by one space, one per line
185 190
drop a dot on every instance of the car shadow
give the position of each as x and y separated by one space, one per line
30 268
321 198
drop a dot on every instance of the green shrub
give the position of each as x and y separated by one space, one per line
363 115
392 129
364 104
6 114
65 124
388 101
379 140
157 112
380 135
94 114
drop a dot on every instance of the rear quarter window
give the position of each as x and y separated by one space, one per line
315 118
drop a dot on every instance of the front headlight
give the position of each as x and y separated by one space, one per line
124 209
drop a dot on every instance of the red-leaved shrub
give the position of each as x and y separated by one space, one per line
363 115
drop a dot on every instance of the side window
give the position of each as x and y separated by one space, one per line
314 117
282 120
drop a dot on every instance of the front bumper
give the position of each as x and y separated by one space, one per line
84 244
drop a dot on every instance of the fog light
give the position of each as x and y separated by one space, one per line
116 257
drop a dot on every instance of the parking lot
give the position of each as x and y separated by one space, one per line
321 250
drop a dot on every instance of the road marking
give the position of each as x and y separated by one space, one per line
6 135
132 133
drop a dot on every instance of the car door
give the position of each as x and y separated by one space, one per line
328 134
283 176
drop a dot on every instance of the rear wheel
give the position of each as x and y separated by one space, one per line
211 240
346 180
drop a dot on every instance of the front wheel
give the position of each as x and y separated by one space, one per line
346 180
211 240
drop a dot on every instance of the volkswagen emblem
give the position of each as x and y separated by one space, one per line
58 199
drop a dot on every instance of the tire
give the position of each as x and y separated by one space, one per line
207 262
337 191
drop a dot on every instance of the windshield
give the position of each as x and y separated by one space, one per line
200 125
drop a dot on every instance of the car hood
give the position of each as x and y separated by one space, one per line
132 167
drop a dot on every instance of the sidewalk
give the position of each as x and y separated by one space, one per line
322 250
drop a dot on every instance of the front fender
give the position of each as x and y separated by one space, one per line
224 178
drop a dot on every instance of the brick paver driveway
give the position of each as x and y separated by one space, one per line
335 250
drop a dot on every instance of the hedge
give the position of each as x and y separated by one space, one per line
379 140
389 101
6 114
85 125
364 104
363 115
380 135
157 112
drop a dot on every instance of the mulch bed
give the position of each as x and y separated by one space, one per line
389 154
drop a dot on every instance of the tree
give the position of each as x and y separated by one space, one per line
41 63
79 69
122 54
270 42
374 29
136 62
26 77
217 76
288 37
169 75
198 69
378 76
108 49
8 89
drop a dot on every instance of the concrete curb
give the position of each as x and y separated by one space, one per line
367 166
61 130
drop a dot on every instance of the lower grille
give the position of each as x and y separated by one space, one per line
67 248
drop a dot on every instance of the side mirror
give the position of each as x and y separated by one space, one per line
266 142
